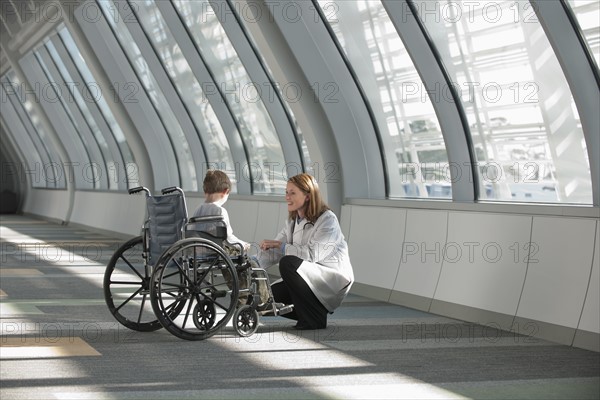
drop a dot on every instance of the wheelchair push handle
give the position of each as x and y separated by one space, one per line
139 189
171 189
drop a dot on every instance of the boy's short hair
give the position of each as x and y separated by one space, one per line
216 181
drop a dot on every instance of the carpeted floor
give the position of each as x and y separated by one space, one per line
59 341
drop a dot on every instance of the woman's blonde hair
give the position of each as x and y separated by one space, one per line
315 206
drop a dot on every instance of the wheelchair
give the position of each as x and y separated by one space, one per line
181 274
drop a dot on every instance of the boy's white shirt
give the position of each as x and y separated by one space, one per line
216 208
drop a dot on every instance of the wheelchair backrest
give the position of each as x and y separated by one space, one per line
208 223
167 216
212 228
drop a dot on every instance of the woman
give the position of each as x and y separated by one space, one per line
316 274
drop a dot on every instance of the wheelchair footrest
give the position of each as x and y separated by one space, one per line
285 309
215 294
273 310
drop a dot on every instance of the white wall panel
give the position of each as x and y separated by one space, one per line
118 212
243 216
283 215
590 317
252 221
376 236
53 204
128 215
267 223
345 220
193 203
559 270
481 266
421 259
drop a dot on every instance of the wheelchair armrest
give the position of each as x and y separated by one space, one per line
218 231
237 244
211 218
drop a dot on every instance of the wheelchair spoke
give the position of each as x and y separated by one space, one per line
129 299
173 305
210 267
209 298
141 309
132 267
170 288
126 282
187 313
126 287
194 290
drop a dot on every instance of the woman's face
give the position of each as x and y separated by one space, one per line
296 199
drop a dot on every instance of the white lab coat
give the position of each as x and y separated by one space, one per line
326 267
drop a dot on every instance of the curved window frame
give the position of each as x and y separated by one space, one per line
36 161
120 163
74 168
157 86
404 143
589 34
574 187
72 102
148 136
51 173
204 130
267 160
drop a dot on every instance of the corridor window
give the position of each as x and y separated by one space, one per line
414 148
40 71
587 13
243 96
42 164
529 145
121 168
120 25
85 124
189 88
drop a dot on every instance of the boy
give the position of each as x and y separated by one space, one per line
217 186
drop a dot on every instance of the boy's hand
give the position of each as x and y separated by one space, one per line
270 244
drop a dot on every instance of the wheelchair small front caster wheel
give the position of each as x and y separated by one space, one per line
204 315
245 320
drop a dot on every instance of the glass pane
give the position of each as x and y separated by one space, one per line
99 167
61 117
588 16
12 120
52 173
242 95
190 90
524 124
117 172
187 169
413 143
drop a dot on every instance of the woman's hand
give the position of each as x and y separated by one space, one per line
270 244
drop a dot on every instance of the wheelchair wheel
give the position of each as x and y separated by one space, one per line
245 320
127 287
204 315
197 277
